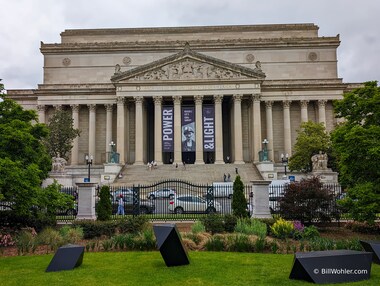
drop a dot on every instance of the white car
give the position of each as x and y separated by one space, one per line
163 193
192 204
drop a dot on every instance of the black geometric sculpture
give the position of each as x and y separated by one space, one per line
331 266
67 257
170 245
374 247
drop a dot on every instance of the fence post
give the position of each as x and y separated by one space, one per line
86 201
260 199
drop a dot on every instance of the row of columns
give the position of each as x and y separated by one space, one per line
237 140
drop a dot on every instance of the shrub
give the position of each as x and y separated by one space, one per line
146 240
197 227
282 228
213 223
51 238
132 224
239 202
363 227
71 234
251 226
306 201
104 206
230 222
92 229
25 241
310 232
240 243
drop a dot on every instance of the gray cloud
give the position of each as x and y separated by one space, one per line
25 23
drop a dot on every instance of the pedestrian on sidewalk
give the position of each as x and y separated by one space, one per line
224 177
229 178
184 165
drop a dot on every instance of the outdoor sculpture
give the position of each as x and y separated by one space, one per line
58 164
319 161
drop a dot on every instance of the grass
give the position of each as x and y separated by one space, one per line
148 268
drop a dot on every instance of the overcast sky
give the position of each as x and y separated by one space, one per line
25 23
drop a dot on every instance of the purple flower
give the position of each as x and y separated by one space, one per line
298 226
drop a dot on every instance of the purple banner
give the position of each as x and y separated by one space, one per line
208 128
167 129
188 129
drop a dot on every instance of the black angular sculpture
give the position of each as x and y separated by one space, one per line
170 245
67 257
374 247
331 266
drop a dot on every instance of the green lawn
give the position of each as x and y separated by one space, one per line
148 268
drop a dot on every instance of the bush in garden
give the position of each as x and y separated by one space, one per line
306 201
282 228
132 224
239 202
197 227
310 232
213 223
215 243
230 222
26 241
71 234
251 226
104 206
92 229
50 238
240 243
363 227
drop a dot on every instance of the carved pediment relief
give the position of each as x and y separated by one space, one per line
188 69
189 65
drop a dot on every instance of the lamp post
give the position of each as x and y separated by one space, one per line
89 159
265 150
285 160
112 144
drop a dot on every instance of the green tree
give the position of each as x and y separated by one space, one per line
312 138
356 143
104 206
239 202
62 133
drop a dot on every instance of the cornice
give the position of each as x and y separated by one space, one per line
191 29
276 85
272 43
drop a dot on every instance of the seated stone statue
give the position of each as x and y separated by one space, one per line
319 161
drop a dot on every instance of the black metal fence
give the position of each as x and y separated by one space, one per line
182 200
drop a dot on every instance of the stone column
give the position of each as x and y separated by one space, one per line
120 141
86 201
287 130
218 129
92 131
238 138
41 113
158 129
177 130
260 199
256 126
269 118
109 108
322 111
139 131
75 149
199 129
304 115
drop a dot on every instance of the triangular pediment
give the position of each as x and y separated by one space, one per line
189 65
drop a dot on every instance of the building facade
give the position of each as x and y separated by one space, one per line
188 94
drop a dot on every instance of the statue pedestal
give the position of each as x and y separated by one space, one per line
62 178
326 176
86 201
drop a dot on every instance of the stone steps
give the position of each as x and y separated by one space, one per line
198 174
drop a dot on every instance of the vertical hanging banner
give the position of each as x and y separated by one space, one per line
208 128
167 129
188 129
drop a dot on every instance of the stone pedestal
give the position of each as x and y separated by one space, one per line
266 169
110 172
260 199
86 201
62 178
326 176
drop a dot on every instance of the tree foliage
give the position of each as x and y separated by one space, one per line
239 202
312 138
356 143
104 206
61 136
307 201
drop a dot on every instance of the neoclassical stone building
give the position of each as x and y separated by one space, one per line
224 89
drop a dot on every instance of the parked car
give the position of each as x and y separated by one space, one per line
223 189
121 191
192 204
146 207
162 193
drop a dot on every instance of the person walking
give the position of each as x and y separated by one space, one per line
225 177
120 208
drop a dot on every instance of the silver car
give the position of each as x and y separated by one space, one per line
162 193
192 204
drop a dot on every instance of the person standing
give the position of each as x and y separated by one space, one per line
120 208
